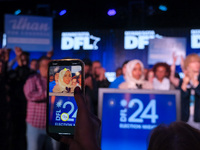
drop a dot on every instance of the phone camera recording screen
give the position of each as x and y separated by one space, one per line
62 105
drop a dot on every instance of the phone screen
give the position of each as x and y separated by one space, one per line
64 77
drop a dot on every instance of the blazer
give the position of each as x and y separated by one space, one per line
185 103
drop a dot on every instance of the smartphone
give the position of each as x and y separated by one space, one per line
63 77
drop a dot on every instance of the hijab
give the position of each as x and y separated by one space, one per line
61 83
130 80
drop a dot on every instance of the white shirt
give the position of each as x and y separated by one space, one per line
164 85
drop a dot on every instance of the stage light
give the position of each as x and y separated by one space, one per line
163 8
17 12
62 12
111 12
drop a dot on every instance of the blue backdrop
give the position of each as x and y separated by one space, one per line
111 52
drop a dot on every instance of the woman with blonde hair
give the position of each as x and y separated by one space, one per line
134 76
190 91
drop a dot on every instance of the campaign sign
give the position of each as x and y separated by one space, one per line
128 118
63 111
31 33
161 50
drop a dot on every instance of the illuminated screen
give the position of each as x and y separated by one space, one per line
128 118
62 105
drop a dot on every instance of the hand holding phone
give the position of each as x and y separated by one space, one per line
61 107
87 127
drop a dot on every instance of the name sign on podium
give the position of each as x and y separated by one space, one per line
128 116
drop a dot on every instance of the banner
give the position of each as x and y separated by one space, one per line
31 33
161 50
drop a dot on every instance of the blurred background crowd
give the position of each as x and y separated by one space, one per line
17 87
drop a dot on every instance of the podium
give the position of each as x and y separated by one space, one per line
128 116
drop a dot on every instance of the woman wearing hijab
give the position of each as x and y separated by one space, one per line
134 77
64 81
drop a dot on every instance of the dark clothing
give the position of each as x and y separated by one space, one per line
4 110
103 84
96 85
16 81
185 103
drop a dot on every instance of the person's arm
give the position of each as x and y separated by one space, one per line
18 52
86 129
185 82
11 63
34 91
50 54
175 81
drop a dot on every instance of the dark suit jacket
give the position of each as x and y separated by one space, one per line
185 103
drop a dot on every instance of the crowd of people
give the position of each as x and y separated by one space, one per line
24 92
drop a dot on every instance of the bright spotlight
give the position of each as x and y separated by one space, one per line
17 12
62 12
163 8
111 12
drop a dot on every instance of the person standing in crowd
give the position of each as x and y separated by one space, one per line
4 101
99 80
161 80
121 78
16 80
35 90
134 77
98 73
190 91
149 75
34 65
89 84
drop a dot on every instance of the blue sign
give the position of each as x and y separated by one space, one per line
63 111
161 50
128 118
31 33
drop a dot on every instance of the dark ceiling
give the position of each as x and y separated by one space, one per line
92 14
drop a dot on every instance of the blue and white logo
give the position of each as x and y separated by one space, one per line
76 40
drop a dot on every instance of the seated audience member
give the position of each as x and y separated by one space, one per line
86 124
64 82
161 80
120 79
134 77
176 136
190 91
